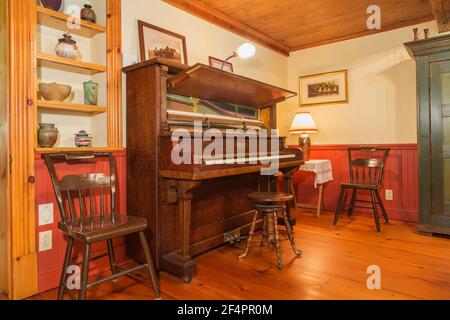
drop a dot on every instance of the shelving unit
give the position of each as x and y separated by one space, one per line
95 37
56 105
63 22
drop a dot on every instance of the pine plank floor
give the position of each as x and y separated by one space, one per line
334 266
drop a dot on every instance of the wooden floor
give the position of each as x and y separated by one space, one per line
333 266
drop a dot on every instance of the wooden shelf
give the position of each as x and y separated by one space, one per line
75 149
57 105
68 65
50 18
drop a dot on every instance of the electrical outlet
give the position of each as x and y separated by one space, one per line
389 195
45 214
45 241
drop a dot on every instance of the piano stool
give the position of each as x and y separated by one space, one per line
270 204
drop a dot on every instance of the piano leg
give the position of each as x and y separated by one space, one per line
181 263
287 183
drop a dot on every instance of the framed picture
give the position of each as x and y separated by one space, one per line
158 42
217 63
324 88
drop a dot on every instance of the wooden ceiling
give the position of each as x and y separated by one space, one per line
291 25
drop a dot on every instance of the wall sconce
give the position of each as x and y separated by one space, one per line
245 51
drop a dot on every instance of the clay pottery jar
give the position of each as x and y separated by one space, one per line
91 93
67 47
54 91
47 135
88 14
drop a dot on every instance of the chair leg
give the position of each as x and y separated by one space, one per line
352 203
250 237
150 264
85 272
339 207
264 231
67 259
277 241
297 252
375 211
112 256
383 209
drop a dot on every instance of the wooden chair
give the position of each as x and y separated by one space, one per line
93 226
365 174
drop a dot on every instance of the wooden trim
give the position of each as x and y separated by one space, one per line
399 146
365 33
219 19
23 256
142 24
114 66
441 13
81 108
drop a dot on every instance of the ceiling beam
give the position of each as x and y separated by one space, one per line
219 19
441 9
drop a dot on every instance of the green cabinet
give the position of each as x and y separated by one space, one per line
433 89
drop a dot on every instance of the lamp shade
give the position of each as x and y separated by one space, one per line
303 123
246 50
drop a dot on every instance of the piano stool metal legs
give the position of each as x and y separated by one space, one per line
270 233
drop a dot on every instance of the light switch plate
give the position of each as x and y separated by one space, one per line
45 241
45 214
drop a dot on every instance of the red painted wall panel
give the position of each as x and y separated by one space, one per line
401 176
50 262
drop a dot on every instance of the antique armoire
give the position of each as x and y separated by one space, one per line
433 94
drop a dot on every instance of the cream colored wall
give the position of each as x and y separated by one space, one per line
203 40
382 86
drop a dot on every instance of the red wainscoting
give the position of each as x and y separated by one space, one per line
401 176
50 262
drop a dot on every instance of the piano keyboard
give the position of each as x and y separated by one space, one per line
219 161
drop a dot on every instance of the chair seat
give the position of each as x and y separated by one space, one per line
270 197
361 185
100 229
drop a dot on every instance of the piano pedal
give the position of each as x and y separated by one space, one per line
233 238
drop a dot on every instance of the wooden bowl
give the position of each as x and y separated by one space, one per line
55 91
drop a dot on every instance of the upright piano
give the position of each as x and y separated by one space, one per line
194 207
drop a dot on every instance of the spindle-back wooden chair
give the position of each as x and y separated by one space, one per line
75 194
365 174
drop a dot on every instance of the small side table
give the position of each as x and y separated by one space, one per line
324 174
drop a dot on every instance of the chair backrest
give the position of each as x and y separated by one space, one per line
367 164
85 187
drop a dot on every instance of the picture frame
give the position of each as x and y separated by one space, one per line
324 88
218 63
158 42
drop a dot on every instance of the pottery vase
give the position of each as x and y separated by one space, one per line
57 5
47 135
67 47
88 14
91 93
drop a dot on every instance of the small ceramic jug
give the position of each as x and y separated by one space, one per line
83 139
67 47
88 14
47 135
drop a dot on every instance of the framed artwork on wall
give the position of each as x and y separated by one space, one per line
221 64
324 88
158 42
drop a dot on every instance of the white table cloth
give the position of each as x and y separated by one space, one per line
322 169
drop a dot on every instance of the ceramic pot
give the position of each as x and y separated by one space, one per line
88 14
54 91
56 5
47 135
67 47
91 93
83 139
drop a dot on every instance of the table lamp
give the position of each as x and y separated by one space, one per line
303 125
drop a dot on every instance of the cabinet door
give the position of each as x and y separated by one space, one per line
440 142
